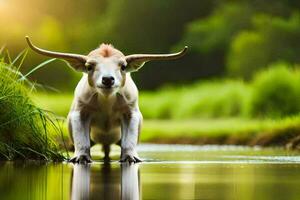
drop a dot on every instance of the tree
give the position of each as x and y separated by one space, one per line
272 39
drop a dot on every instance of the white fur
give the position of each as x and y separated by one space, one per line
105 118
105 107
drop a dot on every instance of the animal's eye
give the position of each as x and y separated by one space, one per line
123 67
90 66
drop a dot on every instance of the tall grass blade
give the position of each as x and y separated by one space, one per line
17 58
36 152
22 59
2 49
8 56
45 87
38 67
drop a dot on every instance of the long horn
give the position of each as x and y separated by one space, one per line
148 57
66 56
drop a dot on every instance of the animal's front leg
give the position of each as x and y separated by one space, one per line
79 128
130 133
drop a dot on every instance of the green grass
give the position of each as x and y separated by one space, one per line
24 126
204 99
221 111
230 130
273 93
198 130
55 102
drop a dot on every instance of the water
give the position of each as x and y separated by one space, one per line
169 172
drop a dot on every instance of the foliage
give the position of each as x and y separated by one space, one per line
214 33
225 37
204 99
221 131
264 111
212 100
272 39
210 37
276 92
132 26
23 126
272 93
227 130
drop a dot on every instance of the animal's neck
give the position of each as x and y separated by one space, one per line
106 101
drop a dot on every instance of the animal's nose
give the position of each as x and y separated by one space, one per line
108 81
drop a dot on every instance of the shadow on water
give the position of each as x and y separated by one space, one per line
84 180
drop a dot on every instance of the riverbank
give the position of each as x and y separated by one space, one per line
283 132
264 132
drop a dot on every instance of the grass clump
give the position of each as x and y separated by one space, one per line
276 92
23 126
216 99
273 93
265 132
210 99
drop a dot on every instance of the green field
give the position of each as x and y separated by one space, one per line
280 131
263 111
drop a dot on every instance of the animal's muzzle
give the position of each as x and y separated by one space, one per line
108 81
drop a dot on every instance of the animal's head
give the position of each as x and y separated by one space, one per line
106 66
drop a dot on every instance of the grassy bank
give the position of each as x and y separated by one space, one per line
280 132
24 126
267 132
272 93
257 112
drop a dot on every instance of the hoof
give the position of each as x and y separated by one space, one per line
131 159
82 159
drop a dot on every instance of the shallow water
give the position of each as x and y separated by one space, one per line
168 172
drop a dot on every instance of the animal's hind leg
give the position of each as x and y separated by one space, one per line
106 150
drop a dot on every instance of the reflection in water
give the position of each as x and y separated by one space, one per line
130 181
180 173
81 182
85 182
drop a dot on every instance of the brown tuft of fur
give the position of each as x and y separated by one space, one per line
107 50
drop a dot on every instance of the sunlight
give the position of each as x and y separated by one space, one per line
3 2
4 7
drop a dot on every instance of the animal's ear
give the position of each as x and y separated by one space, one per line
75 61
136 61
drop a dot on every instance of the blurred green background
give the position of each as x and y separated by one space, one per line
242 63
226 38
